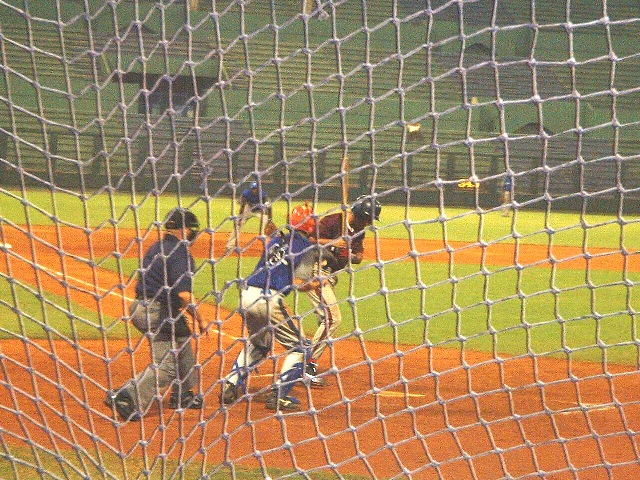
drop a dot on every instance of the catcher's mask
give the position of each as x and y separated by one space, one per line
180 218
366 209
301 218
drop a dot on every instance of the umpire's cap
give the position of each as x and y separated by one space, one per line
181 218
366 209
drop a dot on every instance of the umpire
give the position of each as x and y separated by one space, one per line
163 296
287 264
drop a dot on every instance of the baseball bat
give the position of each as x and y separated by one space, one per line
345 189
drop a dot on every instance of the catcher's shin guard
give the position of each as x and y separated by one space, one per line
246 362
288 377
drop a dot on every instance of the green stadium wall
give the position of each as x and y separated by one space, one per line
75 100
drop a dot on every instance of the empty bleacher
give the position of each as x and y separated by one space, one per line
297 99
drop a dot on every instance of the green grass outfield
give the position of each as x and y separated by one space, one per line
71 465
499 308
104 210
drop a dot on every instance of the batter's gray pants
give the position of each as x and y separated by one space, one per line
326 306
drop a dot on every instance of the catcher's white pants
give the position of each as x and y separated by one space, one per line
266 316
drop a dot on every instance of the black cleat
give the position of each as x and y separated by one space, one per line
315 381
125 406
189 400
311 376
283 403
110 399
229 393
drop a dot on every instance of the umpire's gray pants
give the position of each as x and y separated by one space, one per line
172 359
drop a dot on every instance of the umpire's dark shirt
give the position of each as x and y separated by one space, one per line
166 271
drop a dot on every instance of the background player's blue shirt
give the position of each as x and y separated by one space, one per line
282 255
254 198
508 181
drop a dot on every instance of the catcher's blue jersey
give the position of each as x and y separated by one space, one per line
283 255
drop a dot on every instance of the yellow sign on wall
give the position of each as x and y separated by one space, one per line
466 184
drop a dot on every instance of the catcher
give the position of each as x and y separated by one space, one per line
286 265
345 249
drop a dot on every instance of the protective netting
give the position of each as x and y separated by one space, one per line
490 330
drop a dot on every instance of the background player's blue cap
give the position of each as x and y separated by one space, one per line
253 185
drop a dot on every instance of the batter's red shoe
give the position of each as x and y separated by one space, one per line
315 381
311 376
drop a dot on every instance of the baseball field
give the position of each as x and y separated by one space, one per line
472 346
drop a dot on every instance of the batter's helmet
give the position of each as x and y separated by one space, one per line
302 218
366 209
179 218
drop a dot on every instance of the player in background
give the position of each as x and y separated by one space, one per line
315 8
163 298
288 262
344 249
506 196
254 202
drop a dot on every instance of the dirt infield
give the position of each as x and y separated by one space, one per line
390 411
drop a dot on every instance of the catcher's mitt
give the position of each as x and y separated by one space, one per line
270 228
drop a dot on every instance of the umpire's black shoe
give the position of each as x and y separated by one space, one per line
229 393
110 398
189 400
125 406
